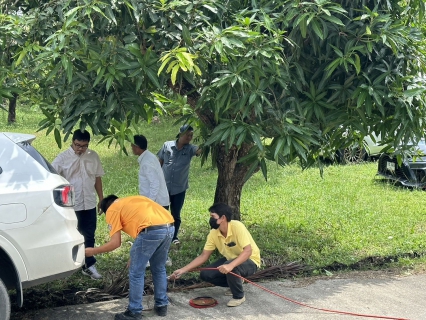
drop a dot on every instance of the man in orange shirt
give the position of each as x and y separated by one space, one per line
152 227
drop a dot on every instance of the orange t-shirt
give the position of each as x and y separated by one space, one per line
132 214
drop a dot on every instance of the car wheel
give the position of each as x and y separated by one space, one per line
354 155
4 302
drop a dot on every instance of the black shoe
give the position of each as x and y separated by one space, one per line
161 311
128 315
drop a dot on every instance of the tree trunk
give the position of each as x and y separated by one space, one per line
230 179
11 117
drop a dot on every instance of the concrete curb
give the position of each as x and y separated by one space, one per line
387 296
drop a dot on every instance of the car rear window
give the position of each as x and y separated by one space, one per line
37 156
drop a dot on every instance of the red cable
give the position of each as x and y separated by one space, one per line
305 305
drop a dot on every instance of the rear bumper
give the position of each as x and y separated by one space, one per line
51 247
29 284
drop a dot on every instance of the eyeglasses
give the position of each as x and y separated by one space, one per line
79 146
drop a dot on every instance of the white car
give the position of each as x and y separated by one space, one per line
370 149
39 241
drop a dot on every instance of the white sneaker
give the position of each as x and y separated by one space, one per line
168 262
91 272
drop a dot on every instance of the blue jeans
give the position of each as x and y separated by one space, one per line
152 246
176 204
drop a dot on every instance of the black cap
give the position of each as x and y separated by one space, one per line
184 128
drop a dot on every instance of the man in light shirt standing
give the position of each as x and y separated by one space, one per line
151 177
83 169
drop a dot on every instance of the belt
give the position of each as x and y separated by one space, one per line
160 226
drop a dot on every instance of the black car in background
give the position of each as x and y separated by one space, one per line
411 173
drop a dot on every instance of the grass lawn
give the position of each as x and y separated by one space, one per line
345 217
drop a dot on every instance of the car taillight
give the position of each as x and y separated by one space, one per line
64 196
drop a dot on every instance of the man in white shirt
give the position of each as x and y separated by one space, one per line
83 169
151 177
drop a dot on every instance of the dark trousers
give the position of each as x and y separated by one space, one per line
87 226
176 204
234 283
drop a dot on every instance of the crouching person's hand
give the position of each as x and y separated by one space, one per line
176 275
89 252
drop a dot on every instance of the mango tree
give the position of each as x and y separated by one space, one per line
264 80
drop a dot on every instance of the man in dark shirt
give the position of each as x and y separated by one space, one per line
175 158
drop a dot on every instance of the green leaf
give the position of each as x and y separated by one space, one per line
226 42
130 38
97 9
64 61
302 23
153 77
174 73
212 9
334 20
21 56
70 12
256 138
101 72
317 29
332 66
414 92
253 167
110 15
218 46
264 168
110 79
165 62
361 98
253 97
241 137
54 72
236 42
367 30
357 64
58 138
69 71
186 35
279 147
151 29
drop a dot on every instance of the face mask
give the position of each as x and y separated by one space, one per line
213 223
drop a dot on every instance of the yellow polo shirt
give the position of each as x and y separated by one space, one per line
238 234
132 214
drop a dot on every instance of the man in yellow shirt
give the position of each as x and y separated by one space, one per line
152 227
235 243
